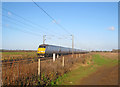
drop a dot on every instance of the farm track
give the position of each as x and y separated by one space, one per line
103 76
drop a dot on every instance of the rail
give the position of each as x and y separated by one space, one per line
24 60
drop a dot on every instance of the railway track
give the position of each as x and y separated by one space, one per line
28 60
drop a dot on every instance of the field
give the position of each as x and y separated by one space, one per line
7 56
74 71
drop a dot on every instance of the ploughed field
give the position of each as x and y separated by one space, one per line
52 73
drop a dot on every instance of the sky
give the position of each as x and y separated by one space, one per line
93 24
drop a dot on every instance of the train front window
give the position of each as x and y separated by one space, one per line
41 46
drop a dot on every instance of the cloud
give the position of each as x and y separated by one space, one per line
111 28
9 13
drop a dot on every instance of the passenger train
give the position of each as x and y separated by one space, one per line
45 50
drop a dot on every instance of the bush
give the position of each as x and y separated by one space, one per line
25 73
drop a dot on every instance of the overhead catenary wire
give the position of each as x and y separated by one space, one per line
23 28
23 23
18 21
47 15
46 29
52 18
53 36
24 31
37 24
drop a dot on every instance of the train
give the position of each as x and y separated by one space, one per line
45 50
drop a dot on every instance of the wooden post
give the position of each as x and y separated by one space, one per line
53 57
76 55
72 45
72 55
79 55
19 69
38 67
63 61
57 56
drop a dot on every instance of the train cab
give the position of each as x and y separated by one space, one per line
41 50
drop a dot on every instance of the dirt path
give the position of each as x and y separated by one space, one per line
103 76
101 71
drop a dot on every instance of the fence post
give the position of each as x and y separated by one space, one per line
79 55
57 55
63 61
72 55
38 67
19 70
76 55
53 57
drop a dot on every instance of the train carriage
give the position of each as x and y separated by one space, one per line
48 50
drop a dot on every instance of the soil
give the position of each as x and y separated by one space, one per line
103 76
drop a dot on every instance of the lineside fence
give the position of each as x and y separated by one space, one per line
38 72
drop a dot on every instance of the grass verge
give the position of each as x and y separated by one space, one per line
74 77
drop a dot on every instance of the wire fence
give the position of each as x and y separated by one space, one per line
15 71
26 72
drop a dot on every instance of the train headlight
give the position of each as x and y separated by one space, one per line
41 51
